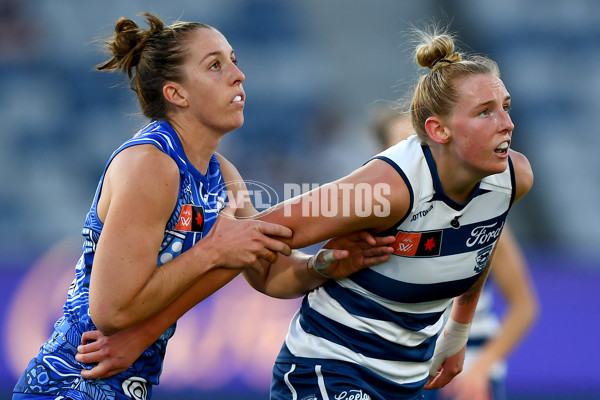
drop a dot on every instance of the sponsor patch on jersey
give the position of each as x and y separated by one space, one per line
418 244
191 219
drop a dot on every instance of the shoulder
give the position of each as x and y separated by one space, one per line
145 159
523 173
140 172
144 169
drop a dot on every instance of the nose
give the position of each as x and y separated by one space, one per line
506 123
238 75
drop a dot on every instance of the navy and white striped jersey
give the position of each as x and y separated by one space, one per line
200 199
385 319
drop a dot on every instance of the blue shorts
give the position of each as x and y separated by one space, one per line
76 396
336 380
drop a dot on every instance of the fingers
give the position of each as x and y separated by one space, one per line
366 237
270 256
384 240
367 240
377 251
324 257
277 246
90 336
88 357
435 381
267 228
428 384
101 371
93 373
440 379
88 348
369 261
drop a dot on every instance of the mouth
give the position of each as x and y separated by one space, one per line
238 99
502 147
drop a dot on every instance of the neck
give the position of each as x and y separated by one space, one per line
199 143
457 181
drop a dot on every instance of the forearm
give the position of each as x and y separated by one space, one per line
463 308
150 329
287 278
112 312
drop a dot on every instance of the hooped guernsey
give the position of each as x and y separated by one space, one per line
383 321
55 371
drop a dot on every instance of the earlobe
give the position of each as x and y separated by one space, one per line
175 94
436 130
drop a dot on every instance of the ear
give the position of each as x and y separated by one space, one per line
175 94
436 130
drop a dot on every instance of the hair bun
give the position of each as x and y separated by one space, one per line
437 51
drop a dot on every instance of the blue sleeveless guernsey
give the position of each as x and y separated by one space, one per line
372 335
54 373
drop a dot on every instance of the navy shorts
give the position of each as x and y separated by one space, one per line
336 380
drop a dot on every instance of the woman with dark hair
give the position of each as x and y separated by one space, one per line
164 230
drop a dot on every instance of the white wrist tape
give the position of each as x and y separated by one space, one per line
319 266
452 339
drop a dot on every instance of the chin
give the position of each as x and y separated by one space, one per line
500 167
238 123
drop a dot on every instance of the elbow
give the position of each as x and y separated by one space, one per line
107 319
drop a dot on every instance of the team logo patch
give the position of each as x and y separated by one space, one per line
135 388
418 244
191 219
482 258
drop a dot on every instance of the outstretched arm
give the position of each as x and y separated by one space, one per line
289 277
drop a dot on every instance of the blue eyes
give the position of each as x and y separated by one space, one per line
486 112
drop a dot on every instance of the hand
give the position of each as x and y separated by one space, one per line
112 354
473 384
451 367
347 254
449 354
241 243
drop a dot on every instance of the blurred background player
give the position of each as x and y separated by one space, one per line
491 340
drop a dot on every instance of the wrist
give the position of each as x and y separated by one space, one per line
206 255
457 328
314 268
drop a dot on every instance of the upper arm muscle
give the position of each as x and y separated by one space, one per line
138 196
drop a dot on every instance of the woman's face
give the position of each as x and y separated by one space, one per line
480 125
213 82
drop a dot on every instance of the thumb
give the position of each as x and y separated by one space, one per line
326 256
435 367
